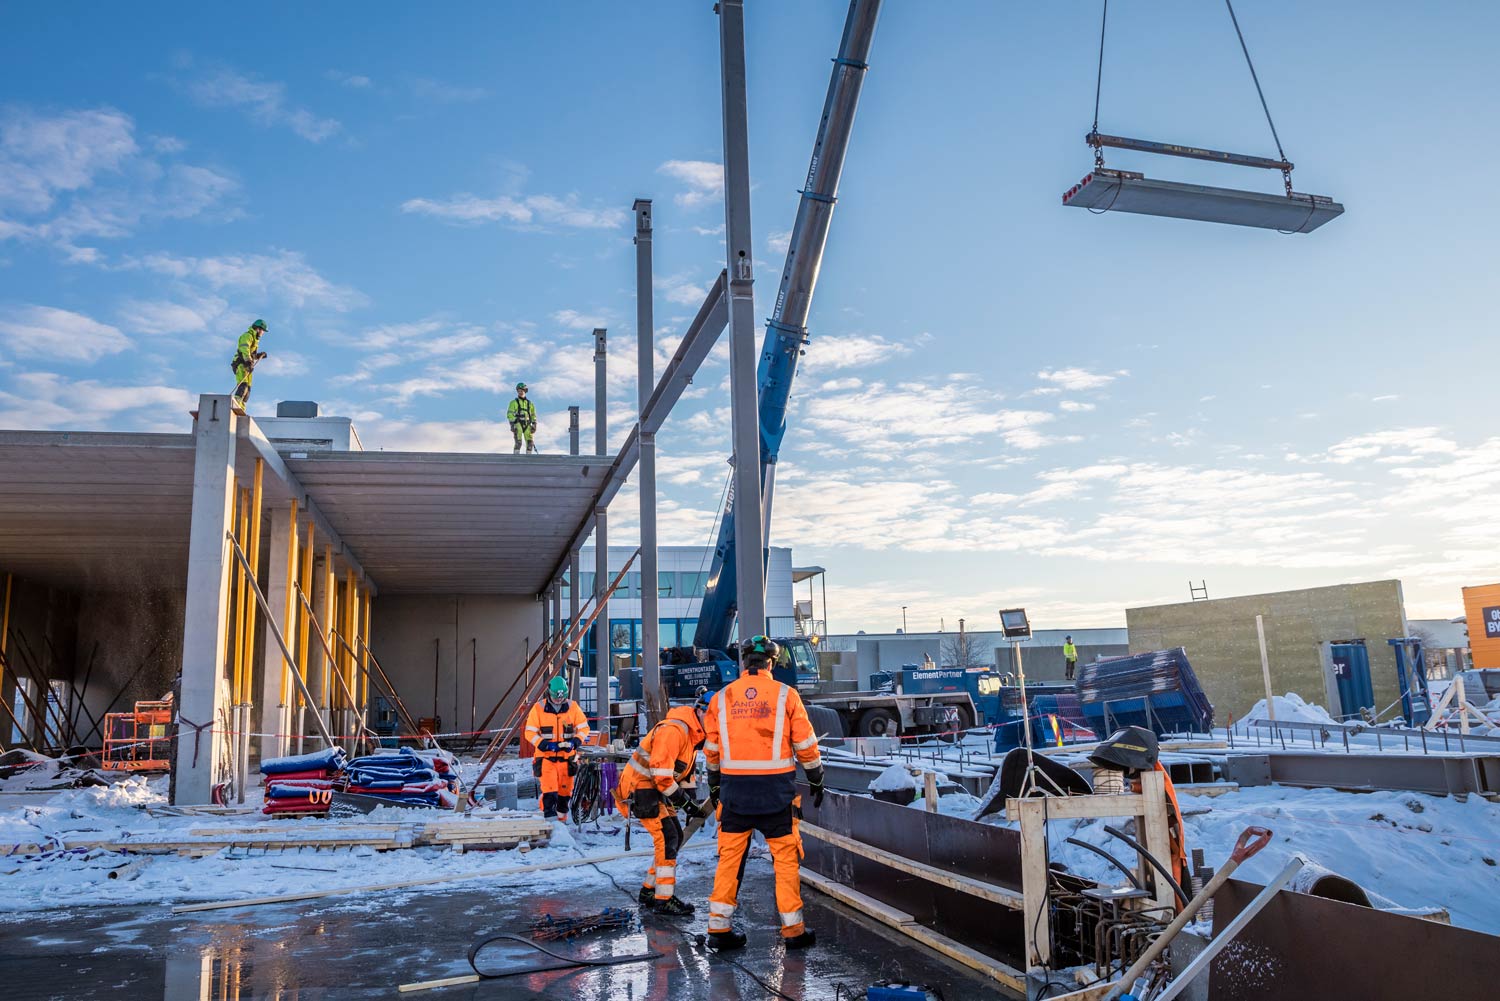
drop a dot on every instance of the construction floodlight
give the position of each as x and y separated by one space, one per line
1014 624
1108 190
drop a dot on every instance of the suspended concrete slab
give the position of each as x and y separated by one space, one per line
1127 191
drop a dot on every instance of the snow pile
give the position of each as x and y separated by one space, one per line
955 804
894 779
1414 849
1291 708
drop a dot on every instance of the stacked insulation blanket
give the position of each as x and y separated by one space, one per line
426 777
302 783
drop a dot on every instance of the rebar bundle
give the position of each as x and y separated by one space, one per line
549 929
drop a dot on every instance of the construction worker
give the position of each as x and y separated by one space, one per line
247 354
652 790
757 730
522 417
556 728
1070 656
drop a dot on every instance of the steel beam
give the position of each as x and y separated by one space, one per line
601 624
1127 191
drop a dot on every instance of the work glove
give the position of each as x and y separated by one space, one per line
259 355
695 809
815 784
679 799
548 745
572 743
713 789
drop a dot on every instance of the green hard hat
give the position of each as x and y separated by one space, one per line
258 325
557 687
520 386
760 648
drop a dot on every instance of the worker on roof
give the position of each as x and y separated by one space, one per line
1070 656
757 731
522 417
556 728
653 787
247 354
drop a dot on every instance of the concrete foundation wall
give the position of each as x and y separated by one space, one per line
1219 635
417 637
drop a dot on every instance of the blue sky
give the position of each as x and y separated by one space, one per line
1005 401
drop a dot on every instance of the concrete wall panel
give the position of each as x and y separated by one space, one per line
1219 635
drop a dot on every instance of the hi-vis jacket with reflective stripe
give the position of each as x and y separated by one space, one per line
547 721
757 731
666 755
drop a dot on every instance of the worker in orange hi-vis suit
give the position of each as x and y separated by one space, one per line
757 731
556 728
652 789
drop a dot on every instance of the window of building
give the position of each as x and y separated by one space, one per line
666 583
692 584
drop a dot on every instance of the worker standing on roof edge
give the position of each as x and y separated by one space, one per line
652 789
247 354
757 730
556 727
1070 656
522 417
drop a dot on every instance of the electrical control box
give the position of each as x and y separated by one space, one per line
889 990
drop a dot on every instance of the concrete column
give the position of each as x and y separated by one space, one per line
601 394
601 624
203 692
319 670
645 382
274 715
744 393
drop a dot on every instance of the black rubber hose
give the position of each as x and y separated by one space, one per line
1110 859
1132 842
567 962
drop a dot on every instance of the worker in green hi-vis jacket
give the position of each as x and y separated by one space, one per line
247 354
522 417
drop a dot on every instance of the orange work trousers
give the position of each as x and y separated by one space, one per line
735 832
555 781
666 836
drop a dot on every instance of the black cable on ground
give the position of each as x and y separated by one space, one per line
567 962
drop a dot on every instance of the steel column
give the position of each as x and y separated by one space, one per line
601 624
646 382
573 430
574 600
749 530
601 394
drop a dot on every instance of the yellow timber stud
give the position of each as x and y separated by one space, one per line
330 593
247 668
304 624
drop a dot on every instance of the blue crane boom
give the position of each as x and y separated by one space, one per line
786 332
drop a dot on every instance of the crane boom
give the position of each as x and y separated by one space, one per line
786 332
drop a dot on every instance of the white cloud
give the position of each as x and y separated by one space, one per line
779 241
1074 406
354 81
681 289
851 350
284 275
165 316
47 332
45 400
265 101
1401 441
528 210
885 422
42 156
1075 379
704 180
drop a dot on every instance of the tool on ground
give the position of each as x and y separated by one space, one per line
1251 841
549 929
891 990
564 962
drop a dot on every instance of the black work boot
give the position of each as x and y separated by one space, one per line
549 806
646 898
804 941
674 907
563 803
726 941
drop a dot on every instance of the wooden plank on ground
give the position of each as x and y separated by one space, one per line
908 925
1083 807
953 881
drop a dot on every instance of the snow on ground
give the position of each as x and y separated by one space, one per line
1290 708
82 879
1417 850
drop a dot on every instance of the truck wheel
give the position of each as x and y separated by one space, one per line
825 722
879 723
